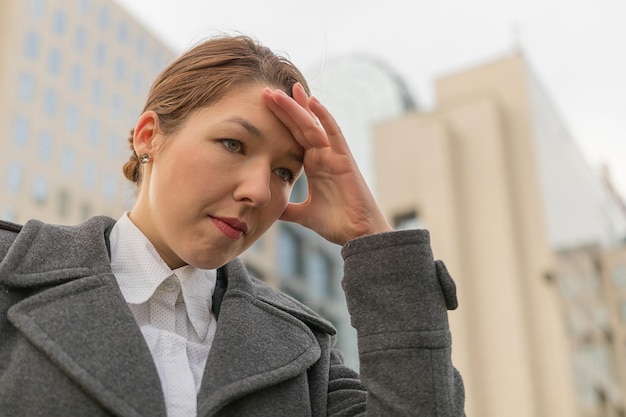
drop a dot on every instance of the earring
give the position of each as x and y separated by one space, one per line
145 158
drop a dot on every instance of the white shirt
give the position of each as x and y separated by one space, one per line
172 309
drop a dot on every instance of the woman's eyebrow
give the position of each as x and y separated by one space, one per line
252 129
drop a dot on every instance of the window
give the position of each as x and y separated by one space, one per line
40 189
122 32
116 109
68 158
80 38
50 102
140 47
76 77
20 131
26 85
90 174
97 92
290 260
104 17
622 310
319 274
93 132
59 22
119 69
15 176
569 286
54 61
45 147
619 275
8 214
84 5
36 8
72 117
300 190
408 220
100 54
64 203
31 46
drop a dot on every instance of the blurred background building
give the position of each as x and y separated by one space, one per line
73 78
533 237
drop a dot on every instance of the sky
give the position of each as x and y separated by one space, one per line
577 48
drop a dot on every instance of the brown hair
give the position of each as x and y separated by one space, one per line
203 75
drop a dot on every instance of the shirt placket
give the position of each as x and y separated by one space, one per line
177 380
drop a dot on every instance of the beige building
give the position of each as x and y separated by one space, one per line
494 175
73 78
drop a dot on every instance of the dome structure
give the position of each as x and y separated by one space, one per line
361 92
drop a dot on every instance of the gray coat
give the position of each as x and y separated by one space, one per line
69 345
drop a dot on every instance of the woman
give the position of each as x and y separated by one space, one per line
154 315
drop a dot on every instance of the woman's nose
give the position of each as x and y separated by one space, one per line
254 188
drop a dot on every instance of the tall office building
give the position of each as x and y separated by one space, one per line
73 78
507 196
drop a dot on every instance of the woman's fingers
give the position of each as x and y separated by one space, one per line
334 134
297 118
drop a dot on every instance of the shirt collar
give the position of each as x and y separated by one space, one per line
139 271
197 286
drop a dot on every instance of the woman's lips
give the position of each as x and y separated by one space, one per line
231 228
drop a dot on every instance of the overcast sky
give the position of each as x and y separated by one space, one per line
577 48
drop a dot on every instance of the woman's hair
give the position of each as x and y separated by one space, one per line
205 74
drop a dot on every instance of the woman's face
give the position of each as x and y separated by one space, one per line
218 183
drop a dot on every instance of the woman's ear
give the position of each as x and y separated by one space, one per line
145 132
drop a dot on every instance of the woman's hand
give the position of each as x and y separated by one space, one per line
340 205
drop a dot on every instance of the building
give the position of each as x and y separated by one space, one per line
592 282
496 177
73 79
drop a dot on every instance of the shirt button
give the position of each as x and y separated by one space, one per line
169 286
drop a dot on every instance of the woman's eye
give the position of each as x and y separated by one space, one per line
232 145
285 174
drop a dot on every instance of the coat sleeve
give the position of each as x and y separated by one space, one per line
398 298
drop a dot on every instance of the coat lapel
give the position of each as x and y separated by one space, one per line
258 343
82 323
